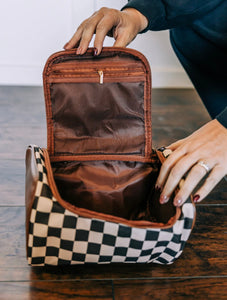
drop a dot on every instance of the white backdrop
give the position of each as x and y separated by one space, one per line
31 30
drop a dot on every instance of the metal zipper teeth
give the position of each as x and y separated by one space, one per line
95 70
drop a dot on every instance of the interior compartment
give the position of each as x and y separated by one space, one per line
116 127
118 188
99 108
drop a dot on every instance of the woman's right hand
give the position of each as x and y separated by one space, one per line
123 26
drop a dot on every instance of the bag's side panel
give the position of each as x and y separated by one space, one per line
31 179
176 236
39 214
57 236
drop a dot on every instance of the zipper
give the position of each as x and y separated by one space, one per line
100 72
96 73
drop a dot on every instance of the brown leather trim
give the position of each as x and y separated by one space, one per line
71 79
56 57
30 185
147 110
59 56
93 157
91 214
66 66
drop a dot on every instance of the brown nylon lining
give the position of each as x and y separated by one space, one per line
92 214
59 57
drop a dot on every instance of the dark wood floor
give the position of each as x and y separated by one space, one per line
201 271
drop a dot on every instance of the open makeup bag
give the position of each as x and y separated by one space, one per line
90 196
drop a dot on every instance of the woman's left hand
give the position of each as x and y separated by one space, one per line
204 150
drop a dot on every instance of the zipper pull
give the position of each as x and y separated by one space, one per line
100 77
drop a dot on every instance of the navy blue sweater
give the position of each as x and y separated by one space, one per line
198 34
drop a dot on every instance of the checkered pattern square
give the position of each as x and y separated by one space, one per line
59 237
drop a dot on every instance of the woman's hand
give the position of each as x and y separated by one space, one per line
122 25
207 145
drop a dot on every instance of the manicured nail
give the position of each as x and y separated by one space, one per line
157 187
78 51
95 52
164 199
196 198
178 202
66 46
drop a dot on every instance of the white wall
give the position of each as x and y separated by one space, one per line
31 30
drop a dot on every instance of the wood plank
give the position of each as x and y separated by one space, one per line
175 115
21 106
14 140
56 290
206 252
20 94
22 114
12 182
218 195
180 108
181 97
177 289
164 136
172 117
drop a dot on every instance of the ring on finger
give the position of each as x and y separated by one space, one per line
204 165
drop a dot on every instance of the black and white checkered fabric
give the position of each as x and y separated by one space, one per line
60 237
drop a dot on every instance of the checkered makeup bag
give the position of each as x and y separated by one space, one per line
90 196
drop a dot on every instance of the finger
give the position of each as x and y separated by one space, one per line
176 174
122 40
212 180
68 46
84 34
168 165
176 144
102 29
193 178
85 41
87 35
74 41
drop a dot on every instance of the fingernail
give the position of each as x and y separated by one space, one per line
164 199
95 52
157 187
178 202
196 198
65 47
78 51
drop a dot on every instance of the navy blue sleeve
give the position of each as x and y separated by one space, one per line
222 117
166 14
